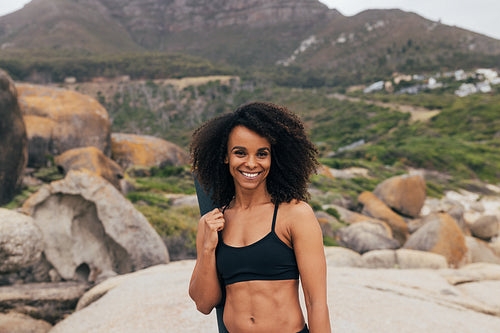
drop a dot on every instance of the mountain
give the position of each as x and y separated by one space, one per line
299 36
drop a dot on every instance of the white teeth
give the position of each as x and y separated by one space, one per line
250 175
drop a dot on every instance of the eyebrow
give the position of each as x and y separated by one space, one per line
244 148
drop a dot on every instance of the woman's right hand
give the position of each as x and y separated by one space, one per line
204 287
213 222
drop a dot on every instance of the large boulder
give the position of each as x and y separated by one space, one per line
411 259
91 231
337 256
48 301
379 259
405 194
403 259
13 139
480 251
130 150
348 216
367 236
151 300
360 300
440 234
58 120
485 227
447 205
327 223
21 243
374 207
13 322
92 159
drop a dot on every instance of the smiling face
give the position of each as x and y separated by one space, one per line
249 158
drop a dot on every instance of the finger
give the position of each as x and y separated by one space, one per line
216 226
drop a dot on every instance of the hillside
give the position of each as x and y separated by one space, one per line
292 42
460 140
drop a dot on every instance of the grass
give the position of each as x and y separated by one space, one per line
461 145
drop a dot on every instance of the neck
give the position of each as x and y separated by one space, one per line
247 199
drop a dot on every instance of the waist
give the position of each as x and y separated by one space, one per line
263 306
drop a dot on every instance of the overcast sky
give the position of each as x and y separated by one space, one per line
481 16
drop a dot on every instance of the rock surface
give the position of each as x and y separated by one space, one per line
21 242
405 194
130 150
360 300
480 251
440 234
91 230
204 16
367 236
486 227
347 215
13 139
402 258
13 322
58 120
48 301
92 159
374 207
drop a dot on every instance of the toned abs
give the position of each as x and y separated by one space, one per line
249 307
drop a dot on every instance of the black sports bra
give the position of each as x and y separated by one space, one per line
267 259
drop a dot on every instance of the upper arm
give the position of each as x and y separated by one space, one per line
307 241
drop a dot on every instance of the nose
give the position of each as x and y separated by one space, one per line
251 162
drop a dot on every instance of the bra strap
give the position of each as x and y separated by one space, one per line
274 216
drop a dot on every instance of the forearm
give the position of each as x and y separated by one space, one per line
318 318
204 287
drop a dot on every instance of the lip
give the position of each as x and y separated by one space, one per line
250 175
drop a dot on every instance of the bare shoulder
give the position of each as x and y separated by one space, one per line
297 211
296 206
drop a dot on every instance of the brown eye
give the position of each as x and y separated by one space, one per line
262 154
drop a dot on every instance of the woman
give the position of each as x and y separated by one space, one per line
256 163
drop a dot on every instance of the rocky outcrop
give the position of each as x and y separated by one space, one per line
206 15
342 257
130 150
20 241
327 223
14 144
403 258
405 194
486 227
445 300
367 236
13 322
347 215
480 251
440 234
58 120
91 231
374 207
92 159
48 301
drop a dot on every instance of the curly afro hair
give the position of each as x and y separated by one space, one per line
293 155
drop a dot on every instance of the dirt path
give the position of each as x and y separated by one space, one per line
418 113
